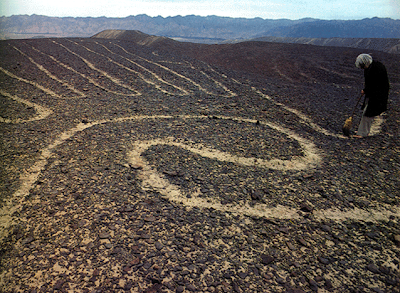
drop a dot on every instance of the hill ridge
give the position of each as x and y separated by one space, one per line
385 45
195 27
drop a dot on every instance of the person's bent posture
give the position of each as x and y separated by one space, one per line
376 90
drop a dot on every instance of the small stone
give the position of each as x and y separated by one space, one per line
384 270
326 228
154 289
136 166
83 223
191 287
171 173
302 242
128 209
242 275
290 245
279 280
323 260
328 284
308 176
295 291
306 208
180 289
236 287
27 240
147 265
373 235
133 262
373 268
396 239
318 278
339 237
156 267
159 245
283 230
126 269
266 259
149 219
313 285
257 195
59 284
104 235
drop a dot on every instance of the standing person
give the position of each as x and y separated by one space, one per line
376 90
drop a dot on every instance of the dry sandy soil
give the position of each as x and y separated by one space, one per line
174 167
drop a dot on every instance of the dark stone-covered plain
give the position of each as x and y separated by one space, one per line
87 223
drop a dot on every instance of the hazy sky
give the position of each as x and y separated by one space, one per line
267 9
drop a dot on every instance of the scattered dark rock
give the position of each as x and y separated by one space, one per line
159 245
91 219
306 208
290 245
313 285
257 195
104 235
295 291
323 260
396 239
149 219
267 259
302 242
27 240
373 268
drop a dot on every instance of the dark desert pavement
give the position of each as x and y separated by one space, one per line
172 167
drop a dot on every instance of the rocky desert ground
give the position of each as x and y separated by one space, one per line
171 167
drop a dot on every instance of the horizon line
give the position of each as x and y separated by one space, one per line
194 15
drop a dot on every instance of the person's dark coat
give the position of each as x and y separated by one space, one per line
376 89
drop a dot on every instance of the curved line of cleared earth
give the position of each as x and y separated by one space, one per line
42 112
46 90
153 180
375 128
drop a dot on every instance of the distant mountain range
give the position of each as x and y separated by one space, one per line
210 29
375 33
379 44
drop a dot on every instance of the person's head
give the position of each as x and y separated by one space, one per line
363 61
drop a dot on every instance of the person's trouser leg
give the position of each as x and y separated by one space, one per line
365 124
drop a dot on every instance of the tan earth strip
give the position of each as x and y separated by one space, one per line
93 67
231 94
49 74
92 81
46 90
152 179
158 78
42 112
169 70
375 129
